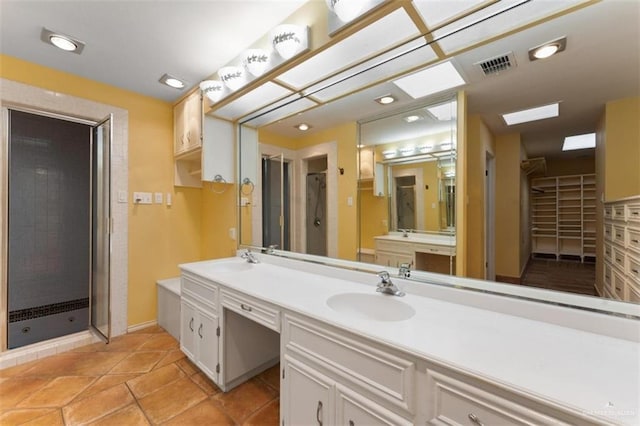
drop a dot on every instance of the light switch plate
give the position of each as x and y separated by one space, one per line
122 196
158 197
142 197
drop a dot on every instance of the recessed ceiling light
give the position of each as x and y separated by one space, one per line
435 79
588 140
385 100
547 49
532 114
412 118
61 41
172 81
303 127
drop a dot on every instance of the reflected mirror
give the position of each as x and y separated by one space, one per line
335 187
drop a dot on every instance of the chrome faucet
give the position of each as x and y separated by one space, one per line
386 286
272 249
249 257
405 232
405 270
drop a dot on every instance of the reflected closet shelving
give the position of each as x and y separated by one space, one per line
564 216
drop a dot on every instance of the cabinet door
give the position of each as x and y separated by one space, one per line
187 329
355 410
307 395
208 342
187 122
384 259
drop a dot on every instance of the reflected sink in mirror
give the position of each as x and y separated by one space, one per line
377 307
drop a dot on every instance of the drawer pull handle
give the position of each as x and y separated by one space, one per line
319 413
475 419
618 260
351 423
635 213
635 271
200 331
635 241
245 307
191 324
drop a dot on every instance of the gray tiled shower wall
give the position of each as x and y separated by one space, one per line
49 224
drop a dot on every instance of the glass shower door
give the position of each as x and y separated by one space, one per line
101 230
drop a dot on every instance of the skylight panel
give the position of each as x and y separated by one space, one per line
588 140
431 80
532 114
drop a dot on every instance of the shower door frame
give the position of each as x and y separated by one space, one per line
4 198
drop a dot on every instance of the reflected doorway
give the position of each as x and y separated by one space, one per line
406 202
276 202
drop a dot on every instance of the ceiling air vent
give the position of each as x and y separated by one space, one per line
497 64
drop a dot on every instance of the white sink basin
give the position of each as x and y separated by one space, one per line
231 266
377 307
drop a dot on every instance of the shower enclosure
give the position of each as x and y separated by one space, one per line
316 208
57 235
275 202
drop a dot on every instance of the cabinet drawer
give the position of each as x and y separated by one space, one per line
619 258
618 235
257 311
608 212
618 212
618 285
432 249
633 268
378 373
608 232
454 402
608 277
633 212
633 293
201 292
633 239
608 252
395 247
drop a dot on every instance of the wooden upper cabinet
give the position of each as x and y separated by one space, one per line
187 124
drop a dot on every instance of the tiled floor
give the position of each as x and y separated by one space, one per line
141 378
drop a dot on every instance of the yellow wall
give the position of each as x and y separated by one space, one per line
218 217
479 142
622 153
507 205
431 216
376 211
160 237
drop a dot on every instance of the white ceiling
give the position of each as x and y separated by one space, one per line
131 44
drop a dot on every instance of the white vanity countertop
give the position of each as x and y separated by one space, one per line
584 370
441 240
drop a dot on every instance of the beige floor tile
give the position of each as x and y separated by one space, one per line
205 384
170 357
126 343
16 389
171 400
187 366
58 392
137 362
160 342
106 382
150 330
131 415
205 413
18 370
241 402
99 405
76 364
154 380
52 419
23 415
272 377
269 415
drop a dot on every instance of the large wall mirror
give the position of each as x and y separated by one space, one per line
332 171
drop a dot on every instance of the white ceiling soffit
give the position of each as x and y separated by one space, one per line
257 98
511 19
434 12
286 110
381 72
388 31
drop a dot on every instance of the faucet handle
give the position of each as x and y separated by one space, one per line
385 278
272 248
404 270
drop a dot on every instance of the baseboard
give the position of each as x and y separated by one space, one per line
508 280
142 325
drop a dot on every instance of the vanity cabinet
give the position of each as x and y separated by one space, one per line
372 171
621 264
335 377
420 255
187 124
199 325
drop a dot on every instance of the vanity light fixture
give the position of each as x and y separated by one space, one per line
303 127
532 114
213 89
346 10
390 153
360 146
548 49
385 100
588 140
172 81
425 148
256 61
62 41
407 150
232 77
445 145
289 40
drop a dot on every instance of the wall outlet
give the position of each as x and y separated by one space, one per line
142 197
168 198
232 233
350 201
158 197
122 196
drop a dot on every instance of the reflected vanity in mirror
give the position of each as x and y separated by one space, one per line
354 177
406 185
